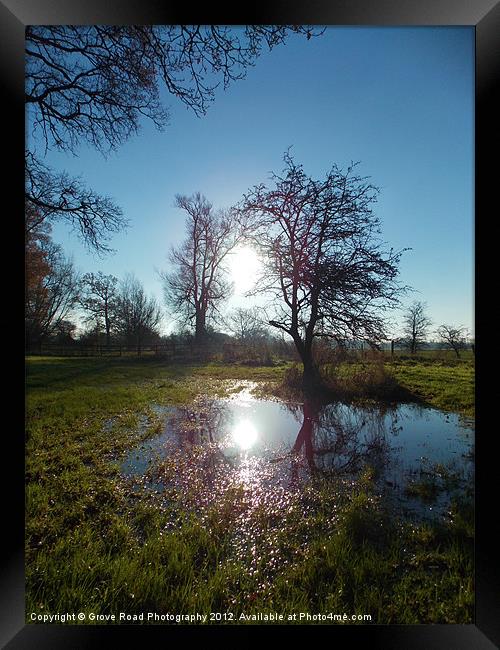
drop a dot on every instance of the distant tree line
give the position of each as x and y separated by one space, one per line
417 332
114 310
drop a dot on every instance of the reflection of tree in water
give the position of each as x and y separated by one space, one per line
342 438
205 422
336 438
198 429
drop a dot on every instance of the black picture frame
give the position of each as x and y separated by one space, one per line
484 16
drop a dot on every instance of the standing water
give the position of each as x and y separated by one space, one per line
418 457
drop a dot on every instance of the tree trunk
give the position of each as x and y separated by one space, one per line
108 330
200 328
311 379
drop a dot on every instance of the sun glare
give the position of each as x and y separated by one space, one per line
244 434
244 265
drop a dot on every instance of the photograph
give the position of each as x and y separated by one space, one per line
249 325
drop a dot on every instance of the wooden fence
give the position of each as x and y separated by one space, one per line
115 350
228 351
174 351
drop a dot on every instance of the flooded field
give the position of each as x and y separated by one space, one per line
183 490
418 458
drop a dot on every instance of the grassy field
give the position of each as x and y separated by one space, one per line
445 382
93 546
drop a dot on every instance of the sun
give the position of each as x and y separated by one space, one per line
244 266
244 434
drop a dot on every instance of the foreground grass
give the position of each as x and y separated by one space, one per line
92 546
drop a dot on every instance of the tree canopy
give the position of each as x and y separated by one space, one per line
324 264
198 283
95 83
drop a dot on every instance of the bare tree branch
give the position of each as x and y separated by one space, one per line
95 84
323 261
197 285
53 196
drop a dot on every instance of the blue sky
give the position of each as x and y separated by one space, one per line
399 100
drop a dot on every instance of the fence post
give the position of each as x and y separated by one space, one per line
392 348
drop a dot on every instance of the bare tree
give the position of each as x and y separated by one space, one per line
454 337
94 84
99 298
198 284
137 316
323 265
246 324
416 326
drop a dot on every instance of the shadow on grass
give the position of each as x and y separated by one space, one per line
350 384
50 372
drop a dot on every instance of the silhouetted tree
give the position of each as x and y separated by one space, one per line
416 326
137 316
94 83
454 337
99 298
322 260
198 282
52 195
246 324
64 332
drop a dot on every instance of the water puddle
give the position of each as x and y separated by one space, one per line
270 453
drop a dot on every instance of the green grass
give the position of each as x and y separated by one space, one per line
447 384
93 546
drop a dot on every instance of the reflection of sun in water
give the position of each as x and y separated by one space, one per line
244 265
244 434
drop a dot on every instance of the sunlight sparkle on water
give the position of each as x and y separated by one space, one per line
244 434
